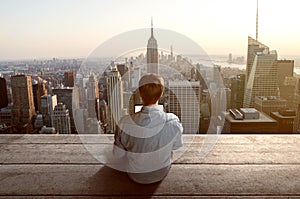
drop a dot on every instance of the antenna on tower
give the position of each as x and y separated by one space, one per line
257 21
151 26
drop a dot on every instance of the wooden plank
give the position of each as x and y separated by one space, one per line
220 154
183 180
145 197
98 139
56 138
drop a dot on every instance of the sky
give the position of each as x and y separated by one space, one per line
34 29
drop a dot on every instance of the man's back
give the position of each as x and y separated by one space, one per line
148 138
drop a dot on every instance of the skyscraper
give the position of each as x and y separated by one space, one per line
48 103
93 97
23 105
3 91
254 47
184 98
69 97
286 81
285 69
103 115
115 98
39 89
124 71
287 91
237 91
297 120
69 78
61 119
152 54
135 77
261 72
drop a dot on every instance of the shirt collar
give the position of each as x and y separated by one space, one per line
151 108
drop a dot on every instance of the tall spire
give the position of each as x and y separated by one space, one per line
152 53
257 21
151 27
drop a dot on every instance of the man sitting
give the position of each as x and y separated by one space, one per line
146 139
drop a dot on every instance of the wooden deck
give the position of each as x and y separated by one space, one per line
58 166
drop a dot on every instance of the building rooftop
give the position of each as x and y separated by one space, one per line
279 115
285 61
270 98
249 110
262 118
59 166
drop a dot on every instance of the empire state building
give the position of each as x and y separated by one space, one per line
152 54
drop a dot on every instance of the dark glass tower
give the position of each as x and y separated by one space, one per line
3 92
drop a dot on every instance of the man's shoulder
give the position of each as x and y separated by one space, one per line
171 117
173 122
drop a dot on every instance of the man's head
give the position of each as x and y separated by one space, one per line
151 87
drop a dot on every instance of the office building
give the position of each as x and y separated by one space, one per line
254 47
225 93
128 102
152 54
285 120
3 91
285 69
297 121
69 79
262 75
93 98
286 81
237 91
261 124
39 89
80 84
23 104
48 102
217 78
135 77
184 101
287 92
115 98
70 98
269 104
124 71
6 115
61 119
103 115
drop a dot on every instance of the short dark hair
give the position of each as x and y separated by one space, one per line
151 88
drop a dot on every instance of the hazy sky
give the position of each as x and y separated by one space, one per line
74 28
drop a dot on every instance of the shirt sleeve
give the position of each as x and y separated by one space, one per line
178 136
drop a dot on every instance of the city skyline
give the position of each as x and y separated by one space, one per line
47 29
99 104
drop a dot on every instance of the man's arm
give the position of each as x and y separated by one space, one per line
178 137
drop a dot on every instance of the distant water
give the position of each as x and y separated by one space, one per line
222 60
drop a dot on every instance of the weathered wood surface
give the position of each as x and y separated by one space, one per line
56 166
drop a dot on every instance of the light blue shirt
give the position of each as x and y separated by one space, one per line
147 139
